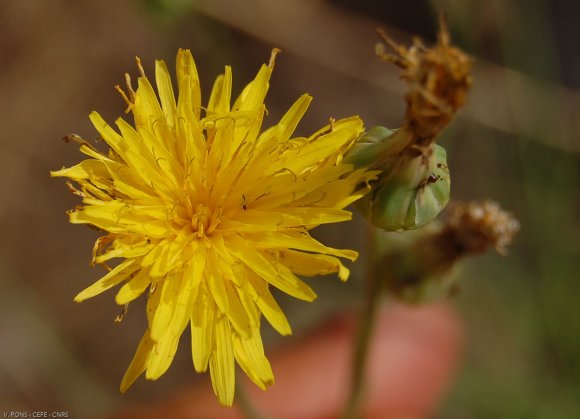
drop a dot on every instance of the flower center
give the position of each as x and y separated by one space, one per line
205 220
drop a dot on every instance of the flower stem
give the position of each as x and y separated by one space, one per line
364 333
247 408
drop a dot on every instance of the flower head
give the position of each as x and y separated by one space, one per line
207 212
438 80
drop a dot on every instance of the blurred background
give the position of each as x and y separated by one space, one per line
516 142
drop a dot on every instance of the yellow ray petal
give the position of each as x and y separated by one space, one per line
254 93
202 325
311 264
164 312
292 217
166 95
215 282
156 252
169 258
161 356
282 131
278 276
139 362
334 192
113 139
132 251
224 294
220 151
268 305
197 263
146 109
115 276
324 147
187 76
249 353
221 94
215 95
189 130
248 299
285 188
187 294
221 363
298 240
236 313
133 288
153 300
161 144
143 161
84 170
119 220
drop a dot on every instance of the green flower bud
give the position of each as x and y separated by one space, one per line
413 188
378 142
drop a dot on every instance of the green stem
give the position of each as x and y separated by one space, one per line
364 334
249 411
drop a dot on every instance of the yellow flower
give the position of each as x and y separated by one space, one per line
207 213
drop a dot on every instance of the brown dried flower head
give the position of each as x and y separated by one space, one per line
477 226
438 79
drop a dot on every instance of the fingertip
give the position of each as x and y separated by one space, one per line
412 360
413 354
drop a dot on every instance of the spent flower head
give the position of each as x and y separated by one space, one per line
438 80
415 185
206 212
423 270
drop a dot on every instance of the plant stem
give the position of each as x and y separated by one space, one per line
247 408
364 333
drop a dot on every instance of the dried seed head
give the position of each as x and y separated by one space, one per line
479 225
438 79
424 270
